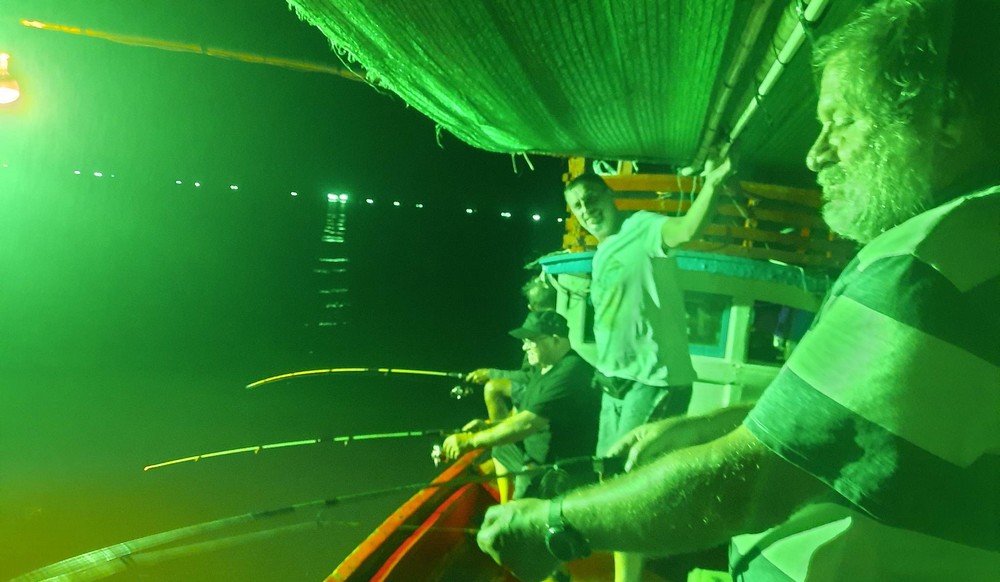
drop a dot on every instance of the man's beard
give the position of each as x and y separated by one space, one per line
887 185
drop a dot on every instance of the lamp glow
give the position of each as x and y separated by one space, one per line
10 91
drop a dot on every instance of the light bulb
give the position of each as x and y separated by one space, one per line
9 89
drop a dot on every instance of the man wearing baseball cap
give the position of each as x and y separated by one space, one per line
555 418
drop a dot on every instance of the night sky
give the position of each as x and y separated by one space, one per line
135 309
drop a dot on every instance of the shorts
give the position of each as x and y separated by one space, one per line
640 404
541 485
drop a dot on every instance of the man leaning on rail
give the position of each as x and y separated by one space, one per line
873 455
501 387
554 418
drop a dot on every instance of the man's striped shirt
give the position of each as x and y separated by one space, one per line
893 401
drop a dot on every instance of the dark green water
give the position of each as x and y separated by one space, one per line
135 309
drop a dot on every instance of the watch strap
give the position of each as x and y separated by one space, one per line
555 513
563 540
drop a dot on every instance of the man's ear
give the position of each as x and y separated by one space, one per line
953 122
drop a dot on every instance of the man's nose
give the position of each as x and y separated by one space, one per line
822 153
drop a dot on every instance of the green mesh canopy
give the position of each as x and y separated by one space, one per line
633 80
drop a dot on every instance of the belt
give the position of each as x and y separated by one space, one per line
614 387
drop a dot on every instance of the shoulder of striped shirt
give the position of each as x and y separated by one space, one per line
958 239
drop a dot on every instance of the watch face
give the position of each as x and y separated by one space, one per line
566 544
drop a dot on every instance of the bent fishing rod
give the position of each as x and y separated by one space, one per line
461 390
145 551
437 454
110 560
345 440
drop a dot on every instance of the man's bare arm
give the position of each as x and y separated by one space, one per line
693 499
679 230
688 500
512 429
645 443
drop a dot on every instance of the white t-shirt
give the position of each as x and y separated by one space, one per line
639 320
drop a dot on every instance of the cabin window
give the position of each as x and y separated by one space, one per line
775 330
707 322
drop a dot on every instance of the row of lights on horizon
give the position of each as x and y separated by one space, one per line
339 198
343 198
10 92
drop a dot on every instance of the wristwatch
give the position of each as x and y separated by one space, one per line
564 541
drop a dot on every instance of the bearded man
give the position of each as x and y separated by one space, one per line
875 453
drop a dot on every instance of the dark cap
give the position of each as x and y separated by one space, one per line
542 323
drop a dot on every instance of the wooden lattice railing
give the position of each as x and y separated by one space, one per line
759 221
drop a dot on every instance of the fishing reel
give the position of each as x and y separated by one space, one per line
461 391
437 455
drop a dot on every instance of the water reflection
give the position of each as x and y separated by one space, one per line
332 270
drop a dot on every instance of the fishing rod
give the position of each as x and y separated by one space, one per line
107 561
120 555
347 439
370 371
88 567
437 454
